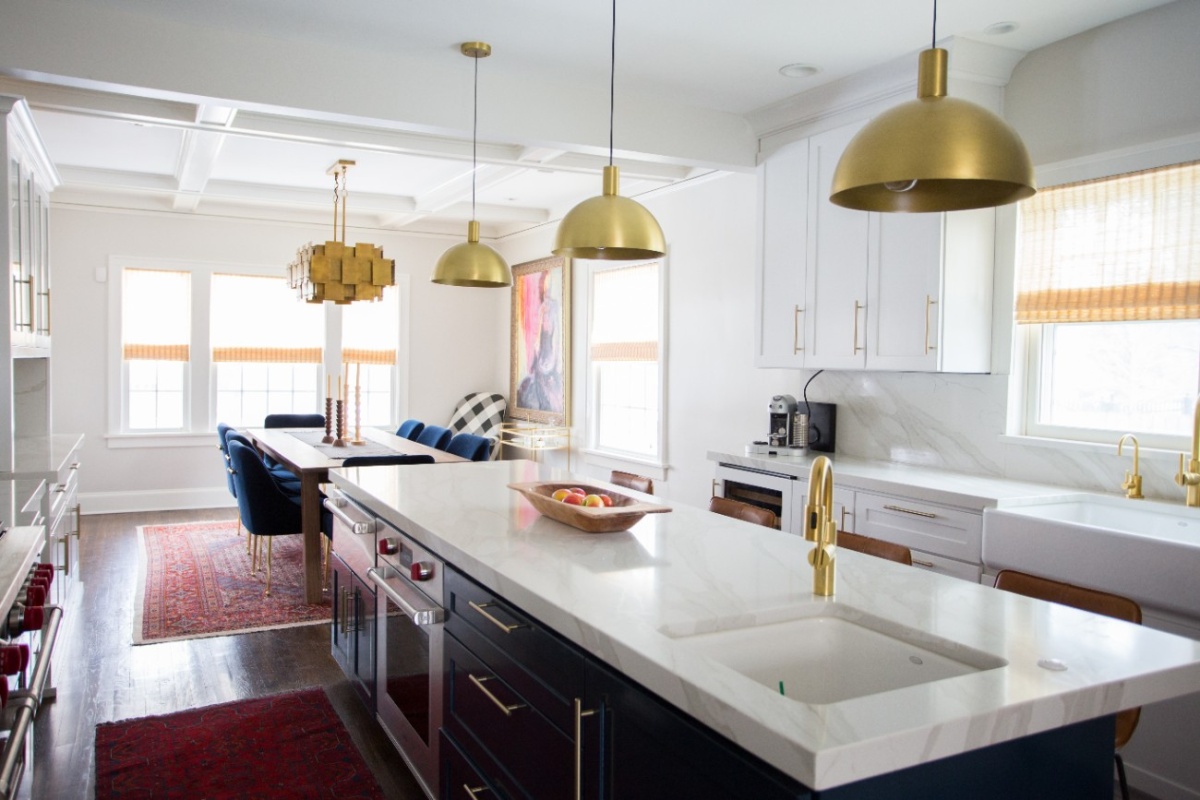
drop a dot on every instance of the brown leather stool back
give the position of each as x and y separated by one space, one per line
630 481
875 547
743 511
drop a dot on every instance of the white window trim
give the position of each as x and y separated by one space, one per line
200 395
610 458
1025 378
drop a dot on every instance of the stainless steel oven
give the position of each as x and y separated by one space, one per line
410 616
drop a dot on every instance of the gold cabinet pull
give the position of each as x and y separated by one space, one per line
920 563
929 301
474 793
580 713
507 709
902 510
845 513
480 608
857 307
796 348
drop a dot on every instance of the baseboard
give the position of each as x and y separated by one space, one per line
153 500
1156 786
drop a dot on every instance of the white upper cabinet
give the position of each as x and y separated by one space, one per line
783 221
897 292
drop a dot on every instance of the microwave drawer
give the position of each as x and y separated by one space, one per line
484 711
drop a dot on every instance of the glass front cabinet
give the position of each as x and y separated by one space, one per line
30 179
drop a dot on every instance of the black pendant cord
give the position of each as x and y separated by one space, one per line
474 136
934 43
612 82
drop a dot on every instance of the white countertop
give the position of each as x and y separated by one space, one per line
44 456
691 570
972 492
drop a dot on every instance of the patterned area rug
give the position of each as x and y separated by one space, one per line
196 582
289 745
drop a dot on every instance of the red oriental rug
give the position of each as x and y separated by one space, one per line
289 745
196 581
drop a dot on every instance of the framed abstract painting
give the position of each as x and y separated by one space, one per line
540 344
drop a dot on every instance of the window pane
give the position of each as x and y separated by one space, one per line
625 304
247 392
156 395
1122 376
156 307
627 407
372 329
253 311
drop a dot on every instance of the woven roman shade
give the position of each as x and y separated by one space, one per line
156 315
1116 249
625 312
267 355
363 355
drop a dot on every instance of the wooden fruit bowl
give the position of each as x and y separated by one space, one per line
620 516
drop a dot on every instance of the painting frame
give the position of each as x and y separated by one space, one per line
540 383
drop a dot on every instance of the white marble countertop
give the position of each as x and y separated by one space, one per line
616 595
972 492
44 456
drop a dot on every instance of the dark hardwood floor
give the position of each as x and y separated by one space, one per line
102 677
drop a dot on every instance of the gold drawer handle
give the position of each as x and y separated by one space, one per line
507 709
857 307
580 713
920 563
474 793
480 608
926 514
929 301
796 348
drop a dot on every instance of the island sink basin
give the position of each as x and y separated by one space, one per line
836 654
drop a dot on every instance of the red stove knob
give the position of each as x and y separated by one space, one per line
10 659
35 617
35 595
24 649
420 571
388 547
46 571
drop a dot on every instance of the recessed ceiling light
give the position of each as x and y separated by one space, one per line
1000 28
798 70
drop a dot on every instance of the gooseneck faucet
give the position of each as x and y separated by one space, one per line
1190 478
1133 480
819 526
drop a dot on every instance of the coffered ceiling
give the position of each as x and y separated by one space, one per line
161 104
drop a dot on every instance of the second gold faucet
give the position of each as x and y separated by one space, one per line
1133 480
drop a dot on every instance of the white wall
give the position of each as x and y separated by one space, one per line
453 344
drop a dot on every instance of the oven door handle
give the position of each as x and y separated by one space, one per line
334 502
420 615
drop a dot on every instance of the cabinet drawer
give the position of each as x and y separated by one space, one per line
547 671
484 711
928 527
460 779
947 566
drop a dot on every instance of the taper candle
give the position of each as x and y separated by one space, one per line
328 385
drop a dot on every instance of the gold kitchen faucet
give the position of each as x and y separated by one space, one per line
1190 478
819 526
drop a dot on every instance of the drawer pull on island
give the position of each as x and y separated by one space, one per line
507 709
480 608
474 793
580 713
902 510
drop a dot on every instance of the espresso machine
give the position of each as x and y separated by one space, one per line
786 427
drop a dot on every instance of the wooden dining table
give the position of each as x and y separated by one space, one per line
312 464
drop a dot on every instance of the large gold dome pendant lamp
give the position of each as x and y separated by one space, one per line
472 263
610 227
934 153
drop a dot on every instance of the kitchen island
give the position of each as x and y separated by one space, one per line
643 603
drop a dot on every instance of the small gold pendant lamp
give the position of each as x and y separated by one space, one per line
935 153
610 227
472 263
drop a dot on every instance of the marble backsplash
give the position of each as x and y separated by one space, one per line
955 422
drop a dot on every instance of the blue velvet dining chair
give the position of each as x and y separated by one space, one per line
410 429
435 436
287 479
294 421
470 446
266 510
222 431
379 461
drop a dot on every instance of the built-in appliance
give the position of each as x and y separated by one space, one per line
783 427
760 488
28 632
410 618
352 634
822 425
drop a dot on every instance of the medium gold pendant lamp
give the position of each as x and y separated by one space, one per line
472 263
935 153
610 227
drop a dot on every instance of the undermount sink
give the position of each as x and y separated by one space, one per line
836 654
1145 550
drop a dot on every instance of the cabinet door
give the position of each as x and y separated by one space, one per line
364 640
838 252
843 509
904 293
783 216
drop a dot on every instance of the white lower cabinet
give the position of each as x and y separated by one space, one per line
943 539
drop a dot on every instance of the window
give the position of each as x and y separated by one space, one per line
155 348
266 349
625 354
193 344
1108 307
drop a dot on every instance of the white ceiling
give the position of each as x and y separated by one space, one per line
132 147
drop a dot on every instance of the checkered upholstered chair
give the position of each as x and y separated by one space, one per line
480 413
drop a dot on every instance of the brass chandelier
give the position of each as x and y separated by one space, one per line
472 263
335 272
935 153
610 227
